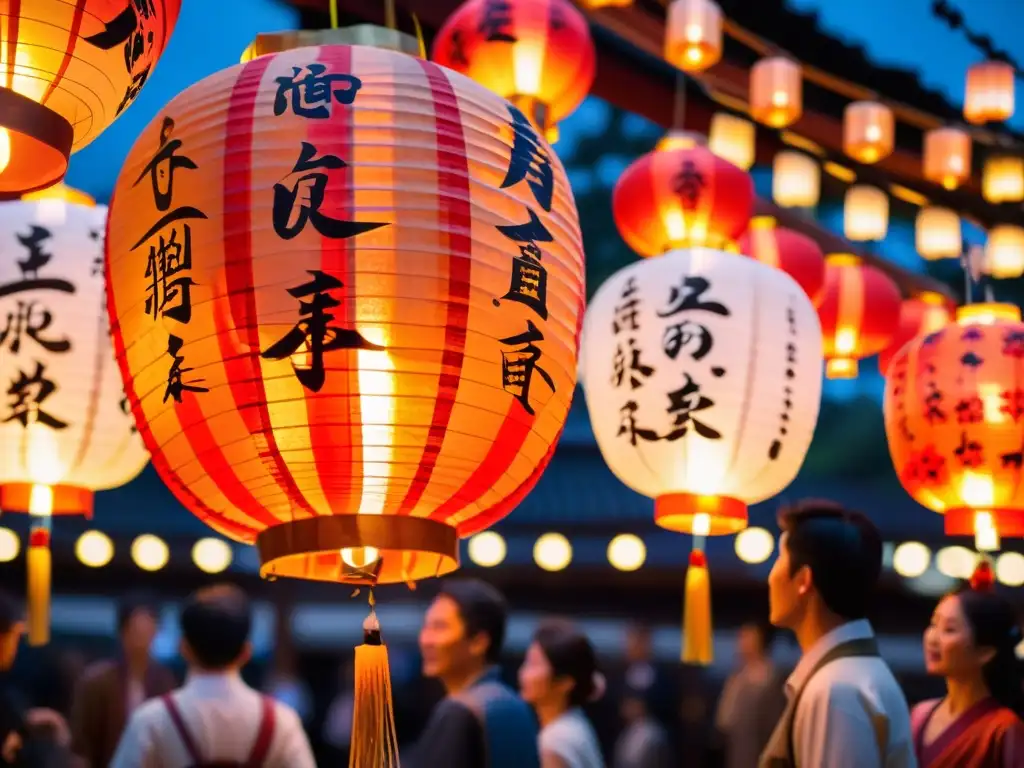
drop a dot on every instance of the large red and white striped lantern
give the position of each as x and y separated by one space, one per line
65 428
347 318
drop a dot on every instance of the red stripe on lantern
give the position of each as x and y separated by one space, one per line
454 199
13 19
69 52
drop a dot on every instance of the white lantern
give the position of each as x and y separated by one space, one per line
796 180
733 138
1002 181
865 213
1004 252
693 34
937 233
65 427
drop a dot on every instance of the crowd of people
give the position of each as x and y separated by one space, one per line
840 707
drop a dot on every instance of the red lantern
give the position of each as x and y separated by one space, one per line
954 418
538 54
795 254
859 313
925 313
681 195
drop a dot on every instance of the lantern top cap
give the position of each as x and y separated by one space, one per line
60 191
763 223
369 35
680 140
988 313
932 298
843 260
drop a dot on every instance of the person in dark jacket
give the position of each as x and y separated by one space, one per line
481 723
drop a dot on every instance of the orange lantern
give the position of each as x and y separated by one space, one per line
1004 252
345 336
869 131
795 254
693 34
681 195
67 70
776 92
954 417
860 313
947 157
989 95
937 233
538 54
1002 180
922 314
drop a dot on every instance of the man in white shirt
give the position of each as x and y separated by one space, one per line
215 717
845 708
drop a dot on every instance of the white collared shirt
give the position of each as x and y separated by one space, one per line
852 713
222 715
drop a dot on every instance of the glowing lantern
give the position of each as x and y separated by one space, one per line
1002 180
954 402
693 34
1004 252
796 180
922 314
733 139
68 69
360 371
776 92
868 131
795 254
865 213
859 315
598 4
681 196
947 157
538 54
937 233
989 94
702 373
65 430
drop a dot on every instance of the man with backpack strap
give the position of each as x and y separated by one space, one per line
215 720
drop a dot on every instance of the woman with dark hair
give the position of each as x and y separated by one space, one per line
972 642
559 676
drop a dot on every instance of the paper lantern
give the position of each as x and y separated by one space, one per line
1002 180
538 54
796 180
702 373
947 157
1004 252
795 254
922 314
989 94
865 213
693 34
733 138
680 197
868 131
937 233
776 91
954 402
859 314
68 70
364 345
65 428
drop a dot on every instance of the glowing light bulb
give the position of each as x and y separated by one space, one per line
627 552
211 555
359 557
487 549
5 149
910 559
150 553
94 549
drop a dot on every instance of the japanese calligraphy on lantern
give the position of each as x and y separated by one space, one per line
709 352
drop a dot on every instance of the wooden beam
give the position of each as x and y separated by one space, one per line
631 75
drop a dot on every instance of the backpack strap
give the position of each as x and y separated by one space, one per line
265 735
179 726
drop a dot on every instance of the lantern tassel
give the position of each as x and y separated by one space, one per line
374 738
698 646
39 574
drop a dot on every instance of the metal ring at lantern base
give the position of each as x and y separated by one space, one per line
960 522
677 511
67 499
41 142
411 548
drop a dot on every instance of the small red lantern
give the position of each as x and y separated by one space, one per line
859 313
538 54
954 418
795 254
922 314
681 195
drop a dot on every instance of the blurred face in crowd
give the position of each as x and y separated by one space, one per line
750 643
446 649
9 641
638 644
537 682
138 633
788 595
949 648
